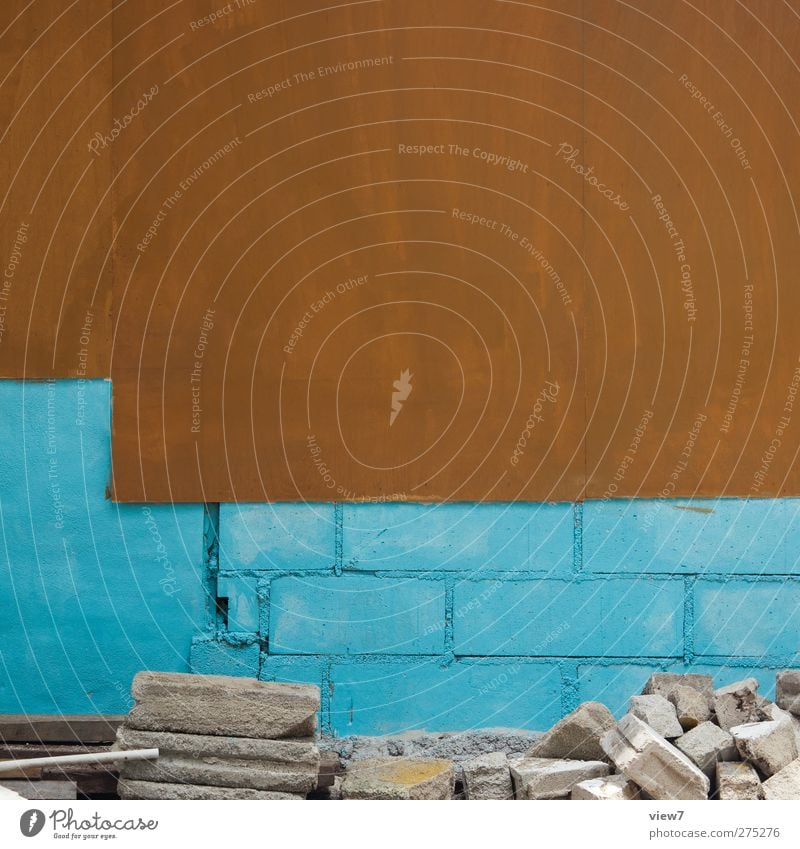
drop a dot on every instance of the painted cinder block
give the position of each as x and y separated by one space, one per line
614 683
211 656
241 592
356 614
277 536
747 618
403 695
93 591
579 618
463 537
722 536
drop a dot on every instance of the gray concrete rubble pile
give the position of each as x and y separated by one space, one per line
220 737
680 739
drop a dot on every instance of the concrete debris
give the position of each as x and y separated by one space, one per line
552 778
459 747
398 778
132 789
611 788
769 745
650 761
658 713
488 777
223 705
784 784
577 735
737 704
787 690
772 711
662 683
706 744
738 781
691 706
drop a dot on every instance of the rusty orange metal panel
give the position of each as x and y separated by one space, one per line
55 203
348 263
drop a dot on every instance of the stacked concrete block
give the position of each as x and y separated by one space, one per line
658 713
220 738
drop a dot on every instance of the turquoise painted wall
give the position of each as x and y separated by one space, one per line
440 617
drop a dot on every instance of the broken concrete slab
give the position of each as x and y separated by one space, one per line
769 745
132 789
737 704
223 705
772 711
658 713
787 690
691 706
648 760
706 744
577 735
737 781
552 778
488 777
746 685
398 778
784 784
662 683
610 788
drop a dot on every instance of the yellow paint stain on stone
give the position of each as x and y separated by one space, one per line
409 773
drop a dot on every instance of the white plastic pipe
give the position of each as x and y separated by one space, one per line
89 758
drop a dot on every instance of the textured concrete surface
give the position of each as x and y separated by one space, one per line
132 789
399 778
223 705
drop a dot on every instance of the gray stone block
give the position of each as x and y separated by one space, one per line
662 683
769 746
658 713
611 788
398 778
691 706
738 781
577 735
772 711
650 761
488 777
784 784
738 704
552 778
706 744
787 690
223 705
132 789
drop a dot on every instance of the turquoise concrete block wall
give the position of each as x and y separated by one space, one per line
90 591
437 617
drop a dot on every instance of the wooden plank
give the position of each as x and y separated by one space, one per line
47 728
